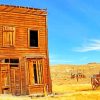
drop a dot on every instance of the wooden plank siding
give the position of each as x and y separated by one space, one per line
23 19
22 40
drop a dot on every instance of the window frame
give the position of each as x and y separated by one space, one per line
3 61
7 31
30 29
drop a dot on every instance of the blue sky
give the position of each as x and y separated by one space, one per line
73 28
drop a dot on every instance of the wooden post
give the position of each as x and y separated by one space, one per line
45 90
77 75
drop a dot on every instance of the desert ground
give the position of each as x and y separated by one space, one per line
65 88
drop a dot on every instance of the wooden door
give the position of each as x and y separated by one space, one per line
15 80
35 71
5 78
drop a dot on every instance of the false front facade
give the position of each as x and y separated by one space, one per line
24 61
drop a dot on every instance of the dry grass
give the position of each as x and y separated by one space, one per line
64 92
65 88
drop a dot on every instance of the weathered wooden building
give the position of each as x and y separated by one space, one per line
24 61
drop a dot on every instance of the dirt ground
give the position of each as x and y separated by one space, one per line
63 92
65 88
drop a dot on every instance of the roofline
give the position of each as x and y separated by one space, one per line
24 7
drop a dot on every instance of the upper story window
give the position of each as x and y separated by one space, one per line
33 38
8 36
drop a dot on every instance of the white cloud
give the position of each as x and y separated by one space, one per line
92 45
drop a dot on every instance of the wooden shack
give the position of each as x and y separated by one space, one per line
24 60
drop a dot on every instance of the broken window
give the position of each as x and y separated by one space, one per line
8 36
13 62
7 61
33 38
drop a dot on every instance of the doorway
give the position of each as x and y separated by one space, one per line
35 71
5 78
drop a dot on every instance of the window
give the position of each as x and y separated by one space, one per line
8 36
33 38
13 62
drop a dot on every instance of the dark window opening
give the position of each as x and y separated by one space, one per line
33 38
14 60
35 73
11 60
6 60
11 65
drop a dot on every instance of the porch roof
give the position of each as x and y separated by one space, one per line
35 56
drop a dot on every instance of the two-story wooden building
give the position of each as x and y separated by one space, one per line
24 60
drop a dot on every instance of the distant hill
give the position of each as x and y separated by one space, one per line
61 73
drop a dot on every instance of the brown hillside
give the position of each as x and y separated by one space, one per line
61 74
